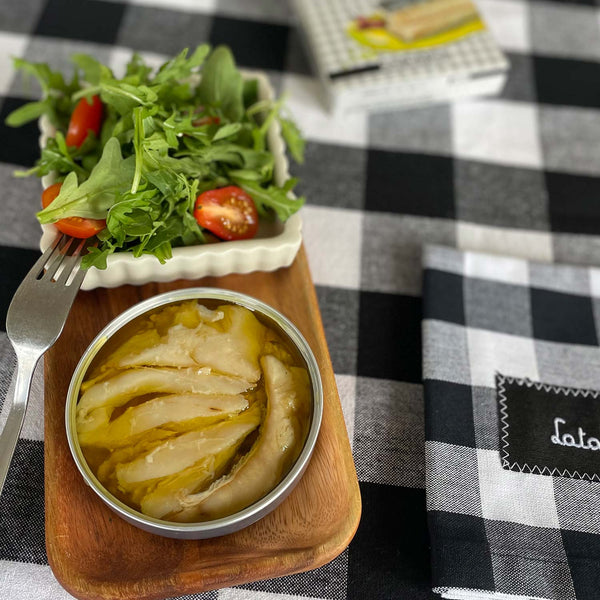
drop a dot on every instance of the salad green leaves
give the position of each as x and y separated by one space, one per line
193 125
110 178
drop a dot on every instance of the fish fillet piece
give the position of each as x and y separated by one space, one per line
166 497
230 344
187 449
278 444
98 402
175 411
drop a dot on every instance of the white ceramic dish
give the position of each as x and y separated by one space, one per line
275 245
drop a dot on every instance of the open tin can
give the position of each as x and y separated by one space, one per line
261 507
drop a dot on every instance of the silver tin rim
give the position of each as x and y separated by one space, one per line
253 512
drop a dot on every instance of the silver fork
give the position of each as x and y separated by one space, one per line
35 318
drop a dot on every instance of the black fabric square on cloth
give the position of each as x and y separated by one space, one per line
564 318
572 203
459 548
497 306
88 20
389 555
389 337
20 146
339 171
520 574
339 310
567 82
501 196
254 44
583 554
162 31
326 582
452 418
412 184
519 83
16 263
22 506
444 300
20 16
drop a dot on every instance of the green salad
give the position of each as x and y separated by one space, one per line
158 158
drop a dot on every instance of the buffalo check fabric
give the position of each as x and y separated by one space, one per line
495 326
518 173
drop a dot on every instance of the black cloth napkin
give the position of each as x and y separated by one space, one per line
511 369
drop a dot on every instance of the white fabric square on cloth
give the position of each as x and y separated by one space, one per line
446 464
11 44
517 497
508 22
533 245
334 259
595 283
346 385
506 269
491 352
497 131
185 5
450 340
306 103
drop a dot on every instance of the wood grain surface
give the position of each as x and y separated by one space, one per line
95 554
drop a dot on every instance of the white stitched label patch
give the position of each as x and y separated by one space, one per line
548 429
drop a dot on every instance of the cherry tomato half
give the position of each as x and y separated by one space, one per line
86 116
76 227
227 212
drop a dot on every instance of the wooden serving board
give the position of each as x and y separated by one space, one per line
95 554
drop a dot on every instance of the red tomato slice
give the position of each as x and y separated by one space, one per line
76 227
227 212
86 117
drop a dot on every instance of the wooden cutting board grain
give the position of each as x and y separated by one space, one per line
96 555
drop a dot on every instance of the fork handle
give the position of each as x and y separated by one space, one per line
26 363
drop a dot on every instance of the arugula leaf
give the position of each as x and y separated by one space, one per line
138 139
92 199
221 84
123 97
293 139
48 79
181 67
137 70
93 70
54 159
133 217
250 92
95 258
227 131
269 199
27 112
56 102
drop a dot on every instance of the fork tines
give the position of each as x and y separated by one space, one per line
61 260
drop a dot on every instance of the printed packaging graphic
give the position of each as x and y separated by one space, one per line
399 52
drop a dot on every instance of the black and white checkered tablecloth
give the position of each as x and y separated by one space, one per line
518 174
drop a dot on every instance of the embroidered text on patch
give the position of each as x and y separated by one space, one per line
566 439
